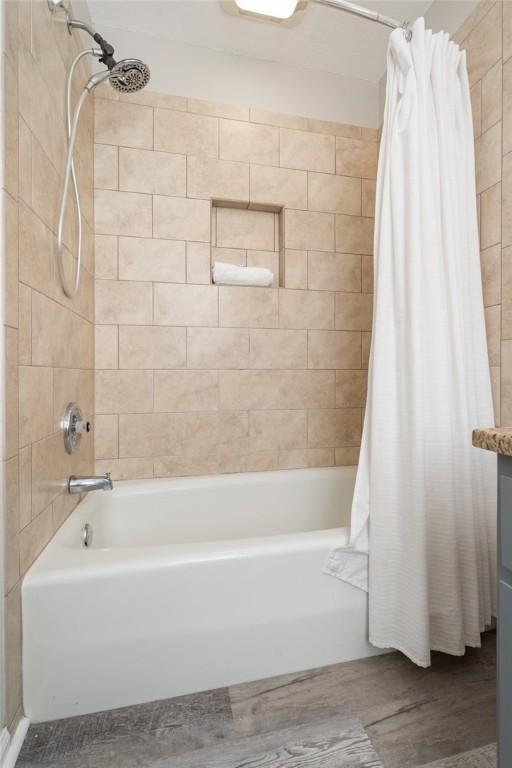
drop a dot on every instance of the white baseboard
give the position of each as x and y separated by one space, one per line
5 740
10 746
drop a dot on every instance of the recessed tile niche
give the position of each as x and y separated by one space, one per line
248 234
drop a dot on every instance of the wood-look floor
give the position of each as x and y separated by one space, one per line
381 712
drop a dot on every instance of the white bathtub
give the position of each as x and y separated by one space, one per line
189 584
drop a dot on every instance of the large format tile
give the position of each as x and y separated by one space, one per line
122 213
488 158
13 684
127 124
263 390
186 134
212 348
307 151
356 158
180 218
244 307
185 305
490 216
207 177
248 143
145 259
333 271
279 186
483 44
106 166
309 230
278 430
492 97
150 434
506 208
159 173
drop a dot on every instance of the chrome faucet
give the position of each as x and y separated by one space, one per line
77 484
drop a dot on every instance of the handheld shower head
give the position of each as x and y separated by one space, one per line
126 76
129 75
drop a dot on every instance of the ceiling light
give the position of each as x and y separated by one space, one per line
277 9
284 13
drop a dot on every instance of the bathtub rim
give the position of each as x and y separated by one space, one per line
154 484
59 563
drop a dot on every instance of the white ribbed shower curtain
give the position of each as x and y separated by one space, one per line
425 502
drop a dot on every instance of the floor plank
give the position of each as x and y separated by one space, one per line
440 724
332 744
368 689
485 757
175 725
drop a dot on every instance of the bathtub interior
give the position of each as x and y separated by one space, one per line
221 508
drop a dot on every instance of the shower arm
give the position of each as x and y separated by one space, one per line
366 13
107 50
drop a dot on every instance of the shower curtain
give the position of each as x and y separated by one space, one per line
423 528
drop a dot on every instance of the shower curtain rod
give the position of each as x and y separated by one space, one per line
358 10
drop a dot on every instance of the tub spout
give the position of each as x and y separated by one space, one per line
78 484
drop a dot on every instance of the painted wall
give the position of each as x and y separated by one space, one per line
203 73
193 378
49 340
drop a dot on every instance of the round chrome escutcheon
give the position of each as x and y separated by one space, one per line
73 427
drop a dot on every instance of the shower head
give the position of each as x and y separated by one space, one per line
129 75
126 76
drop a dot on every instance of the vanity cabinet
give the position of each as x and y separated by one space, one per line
504 611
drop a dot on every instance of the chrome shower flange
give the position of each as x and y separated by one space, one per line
73 427
57 5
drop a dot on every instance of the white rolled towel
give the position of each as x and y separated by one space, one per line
232 274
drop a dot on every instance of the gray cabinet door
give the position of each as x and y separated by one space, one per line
505 612
505 528
505 675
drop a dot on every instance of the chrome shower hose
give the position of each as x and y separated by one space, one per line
70 172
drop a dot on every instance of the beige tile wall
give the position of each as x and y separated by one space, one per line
484 35
194 378
49 339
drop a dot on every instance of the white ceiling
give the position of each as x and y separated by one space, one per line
326 40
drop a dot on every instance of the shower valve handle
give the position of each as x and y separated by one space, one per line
82 427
